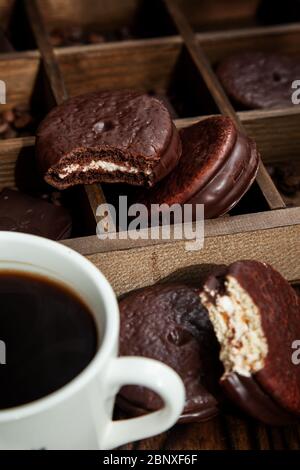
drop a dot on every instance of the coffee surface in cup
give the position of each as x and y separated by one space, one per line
48 336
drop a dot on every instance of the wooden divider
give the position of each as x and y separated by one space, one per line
265 182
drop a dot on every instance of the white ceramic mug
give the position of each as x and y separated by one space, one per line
79 415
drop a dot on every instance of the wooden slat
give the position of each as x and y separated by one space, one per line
202 63
56 81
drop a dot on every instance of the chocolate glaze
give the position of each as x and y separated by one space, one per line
22 213
246 393
119 127
217 167
169 323
258 79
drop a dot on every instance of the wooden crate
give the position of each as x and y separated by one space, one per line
175 61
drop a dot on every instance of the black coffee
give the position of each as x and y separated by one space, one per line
49 335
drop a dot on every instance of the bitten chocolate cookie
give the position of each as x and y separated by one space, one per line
120 136
22 213
256 317
217 167
168 323
271 12
259 79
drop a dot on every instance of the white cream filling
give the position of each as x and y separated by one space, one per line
97 165
237 324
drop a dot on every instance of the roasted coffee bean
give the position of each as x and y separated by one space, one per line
8 115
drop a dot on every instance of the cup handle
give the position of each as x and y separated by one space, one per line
151 374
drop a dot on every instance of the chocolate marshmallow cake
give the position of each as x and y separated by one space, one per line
121 136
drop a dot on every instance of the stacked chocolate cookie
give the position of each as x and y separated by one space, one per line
129 137
231 338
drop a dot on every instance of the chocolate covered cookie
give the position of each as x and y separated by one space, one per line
256 317
120 136
259 79
169 323
22 213
217 167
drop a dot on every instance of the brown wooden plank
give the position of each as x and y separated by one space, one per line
19 71
202 63
51 66
56 81
222 227
150 65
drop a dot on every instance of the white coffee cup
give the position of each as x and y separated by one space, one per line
79 415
